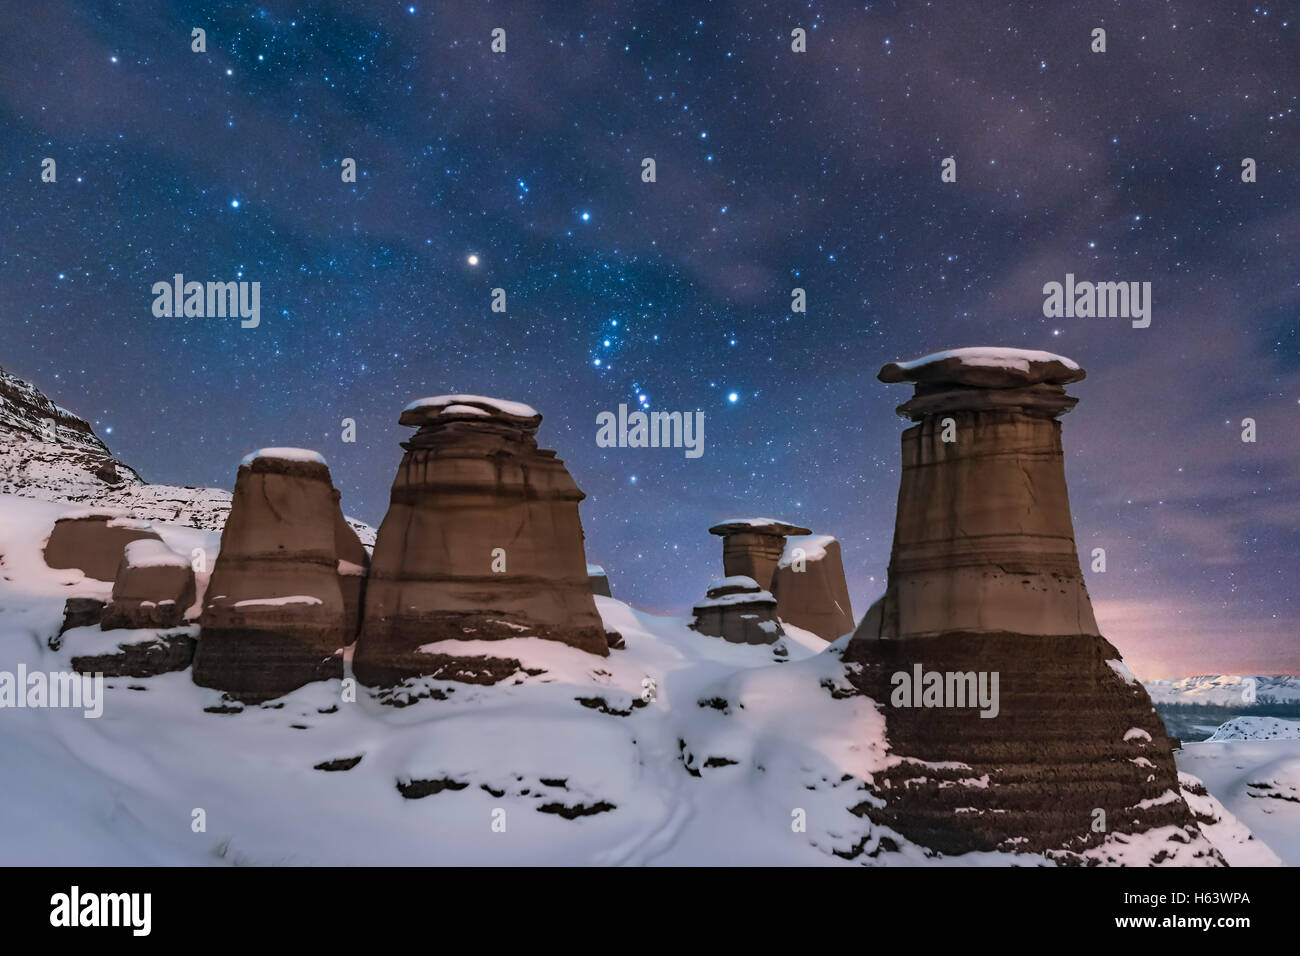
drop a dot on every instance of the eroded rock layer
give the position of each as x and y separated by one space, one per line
1060 749
482 540
274 616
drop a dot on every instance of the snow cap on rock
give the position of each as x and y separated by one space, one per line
985 367
443 408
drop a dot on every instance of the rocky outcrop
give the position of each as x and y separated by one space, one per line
93 542
482 541
985 595
752 547
736 609
274 616
162 654
354 563
598 580
154 587
809 586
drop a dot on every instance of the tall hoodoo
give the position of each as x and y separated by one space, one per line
482 541
983 539
985 591
273 615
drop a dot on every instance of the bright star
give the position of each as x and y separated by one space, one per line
586 217
234 204
472 260
733 398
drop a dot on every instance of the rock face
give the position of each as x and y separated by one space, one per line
274 616
598 580
353 565
984 583
482 541
810 589
154 587
93 542
736 609
752 547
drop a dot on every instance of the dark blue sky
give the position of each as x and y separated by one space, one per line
775 170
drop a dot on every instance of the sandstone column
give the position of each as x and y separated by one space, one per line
482 541
983 539
273 616
984 583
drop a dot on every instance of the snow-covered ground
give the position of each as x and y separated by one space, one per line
680 749
1258 781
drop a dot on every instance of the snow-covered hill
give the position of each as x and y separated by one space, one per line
1258 728
49 453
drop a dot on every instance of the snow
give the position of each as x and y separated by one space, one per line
814 548
279 601
129 524
1257 728
284 454
989 357
678 750
756 523
1233 772
467 403
739 597
1227 690
733 581
1122 670
148 553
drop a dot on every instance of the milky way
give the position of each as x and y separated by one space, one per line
775 170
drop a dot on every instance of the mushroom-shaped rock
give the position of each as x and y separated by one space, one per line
274 617
154 587
736 609
92 541
810 589
1000 696
751 547
482 540
986 379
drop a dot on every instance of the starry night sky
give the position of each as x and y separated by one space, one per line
775 170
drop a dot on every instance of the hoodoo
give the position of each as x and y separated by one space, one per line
736 609
752 547
274 616
810 589
984 579
482 541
